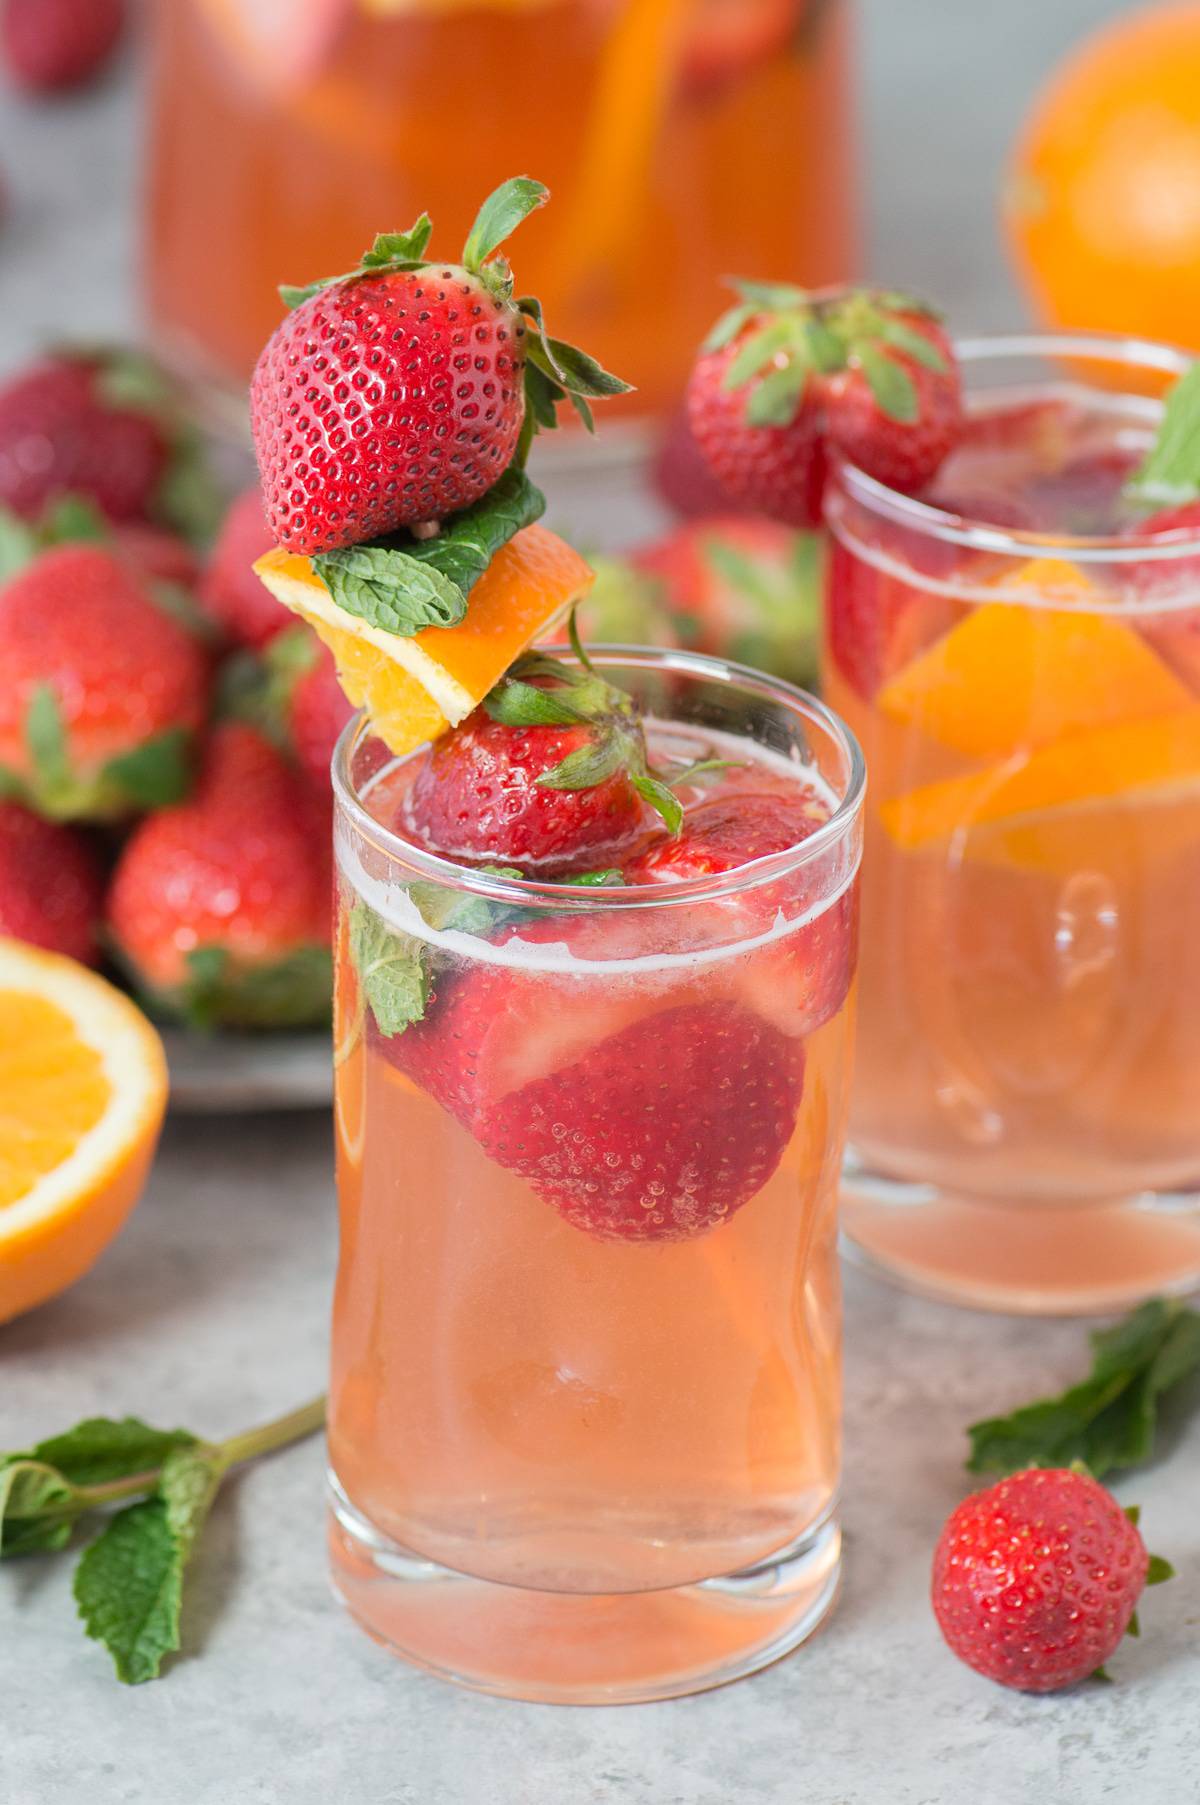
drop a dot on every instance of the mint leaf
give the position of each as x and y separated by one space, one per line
393 971
1109 1419
444 908
154 774
891 385
129 1590
500 215
102 1448
390 589
1170 473
469 540
188 1484
609 879
29 1488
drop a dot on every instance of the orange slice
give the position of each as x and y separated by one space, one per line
1073 806
1010 676
414 689
83 1087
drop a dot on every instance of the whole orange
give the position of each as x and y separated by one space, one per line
1102 202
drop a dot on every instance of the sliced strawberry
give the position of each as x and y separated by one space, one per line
661 1131
876 622
728 832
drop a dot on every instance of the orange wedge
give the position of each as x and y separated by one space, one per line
83 1087
414 689
1072 806
1009 676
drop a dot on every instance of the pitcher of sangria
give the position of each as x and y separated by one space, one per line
282 132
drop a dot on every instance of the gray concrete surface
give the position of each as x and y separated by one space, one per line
211 1309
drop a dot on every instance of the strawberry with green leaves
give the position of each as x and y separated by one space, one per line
787 376
104 425
240 606
550 775
220 906
101 689
1037 1580
400 393
743 588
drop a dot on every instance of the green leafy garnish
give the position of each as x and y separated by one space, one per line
403 585
393 971
1109 1419
798 334
144 1494
539 691
1170 474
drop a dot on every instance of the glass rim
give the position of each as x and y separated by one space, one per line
955 529
563 897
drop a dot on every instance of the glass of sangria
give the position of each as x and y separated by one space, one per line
1018 651
283 132
585 1405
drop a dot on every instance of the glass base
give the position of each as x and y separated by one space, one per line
1029 1259
576 1648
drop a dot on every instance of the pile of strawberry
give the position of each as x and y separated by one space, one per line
165 730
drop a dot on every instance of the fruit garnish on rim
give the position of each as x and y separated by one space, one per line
392 414
786 375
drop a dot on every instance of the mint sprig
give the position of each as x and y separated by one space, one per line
144 1494
1110 1418
402 584
1170 474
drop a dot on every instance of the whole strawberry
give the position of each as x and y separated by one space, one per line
60 434
50 45
242 607
51 886
220 906
1036 1580
741 588
786 376
101 689
550 776
397 394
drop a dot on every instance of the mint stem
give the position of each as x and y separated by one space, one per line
280 1433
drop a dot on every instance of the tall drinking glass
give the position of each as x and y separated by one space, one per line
585 1405
1019 654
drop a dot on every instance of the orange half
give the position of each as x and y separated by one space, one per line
1011 676
414 689
83 1088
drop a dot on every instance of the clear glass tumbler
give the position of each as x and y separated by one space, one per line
585 1405
1025 1123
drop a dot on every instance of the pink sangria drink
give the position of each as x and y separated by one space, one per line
1018 651
585 1404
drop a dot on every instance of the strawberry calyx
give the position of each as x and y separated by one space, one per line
555 371
792 335
150 775
294 990
541 691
